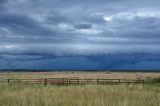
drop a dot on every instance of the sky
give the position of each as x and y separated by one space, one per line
80 34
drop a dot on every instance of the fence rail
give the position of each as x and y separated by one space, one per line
71 81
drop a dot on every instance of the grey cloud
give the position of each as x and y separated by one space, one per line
103 62
83 26
20 24
137 27
16 19
102 32
2 7
56 17
3 1
78 26
97 19
122 61
76 49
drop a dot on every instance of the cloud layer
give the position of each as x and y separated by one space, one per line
31 29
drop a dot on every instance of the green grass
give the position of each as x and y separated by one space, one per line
85 95
153 80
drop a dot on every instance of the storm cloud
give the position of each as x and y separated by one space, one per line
37 30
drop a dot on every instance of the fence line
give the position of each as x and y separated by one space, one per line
72 81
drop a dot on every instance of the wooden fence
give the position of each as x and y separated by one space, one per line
71 81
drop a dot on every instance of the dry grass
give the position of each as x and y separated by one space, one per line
120 75
90 95
86 95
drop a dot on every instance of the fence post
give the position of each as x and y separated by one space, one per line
63 81
69 81
97 81
8 80
119 81
78 81
143 82
45 81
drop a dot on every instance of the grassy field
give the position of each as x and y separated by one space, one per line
79 95
88 95
117 75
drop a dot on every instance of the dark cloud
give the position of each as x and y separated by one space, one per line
103 62
16 19
3 1
37 30
56 17
127 62
2 7
23 25
83 26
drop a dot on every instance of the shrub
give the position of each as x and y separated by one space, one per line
153 80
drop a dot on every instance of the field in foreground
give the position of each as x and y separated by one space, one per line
87 95
79 95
